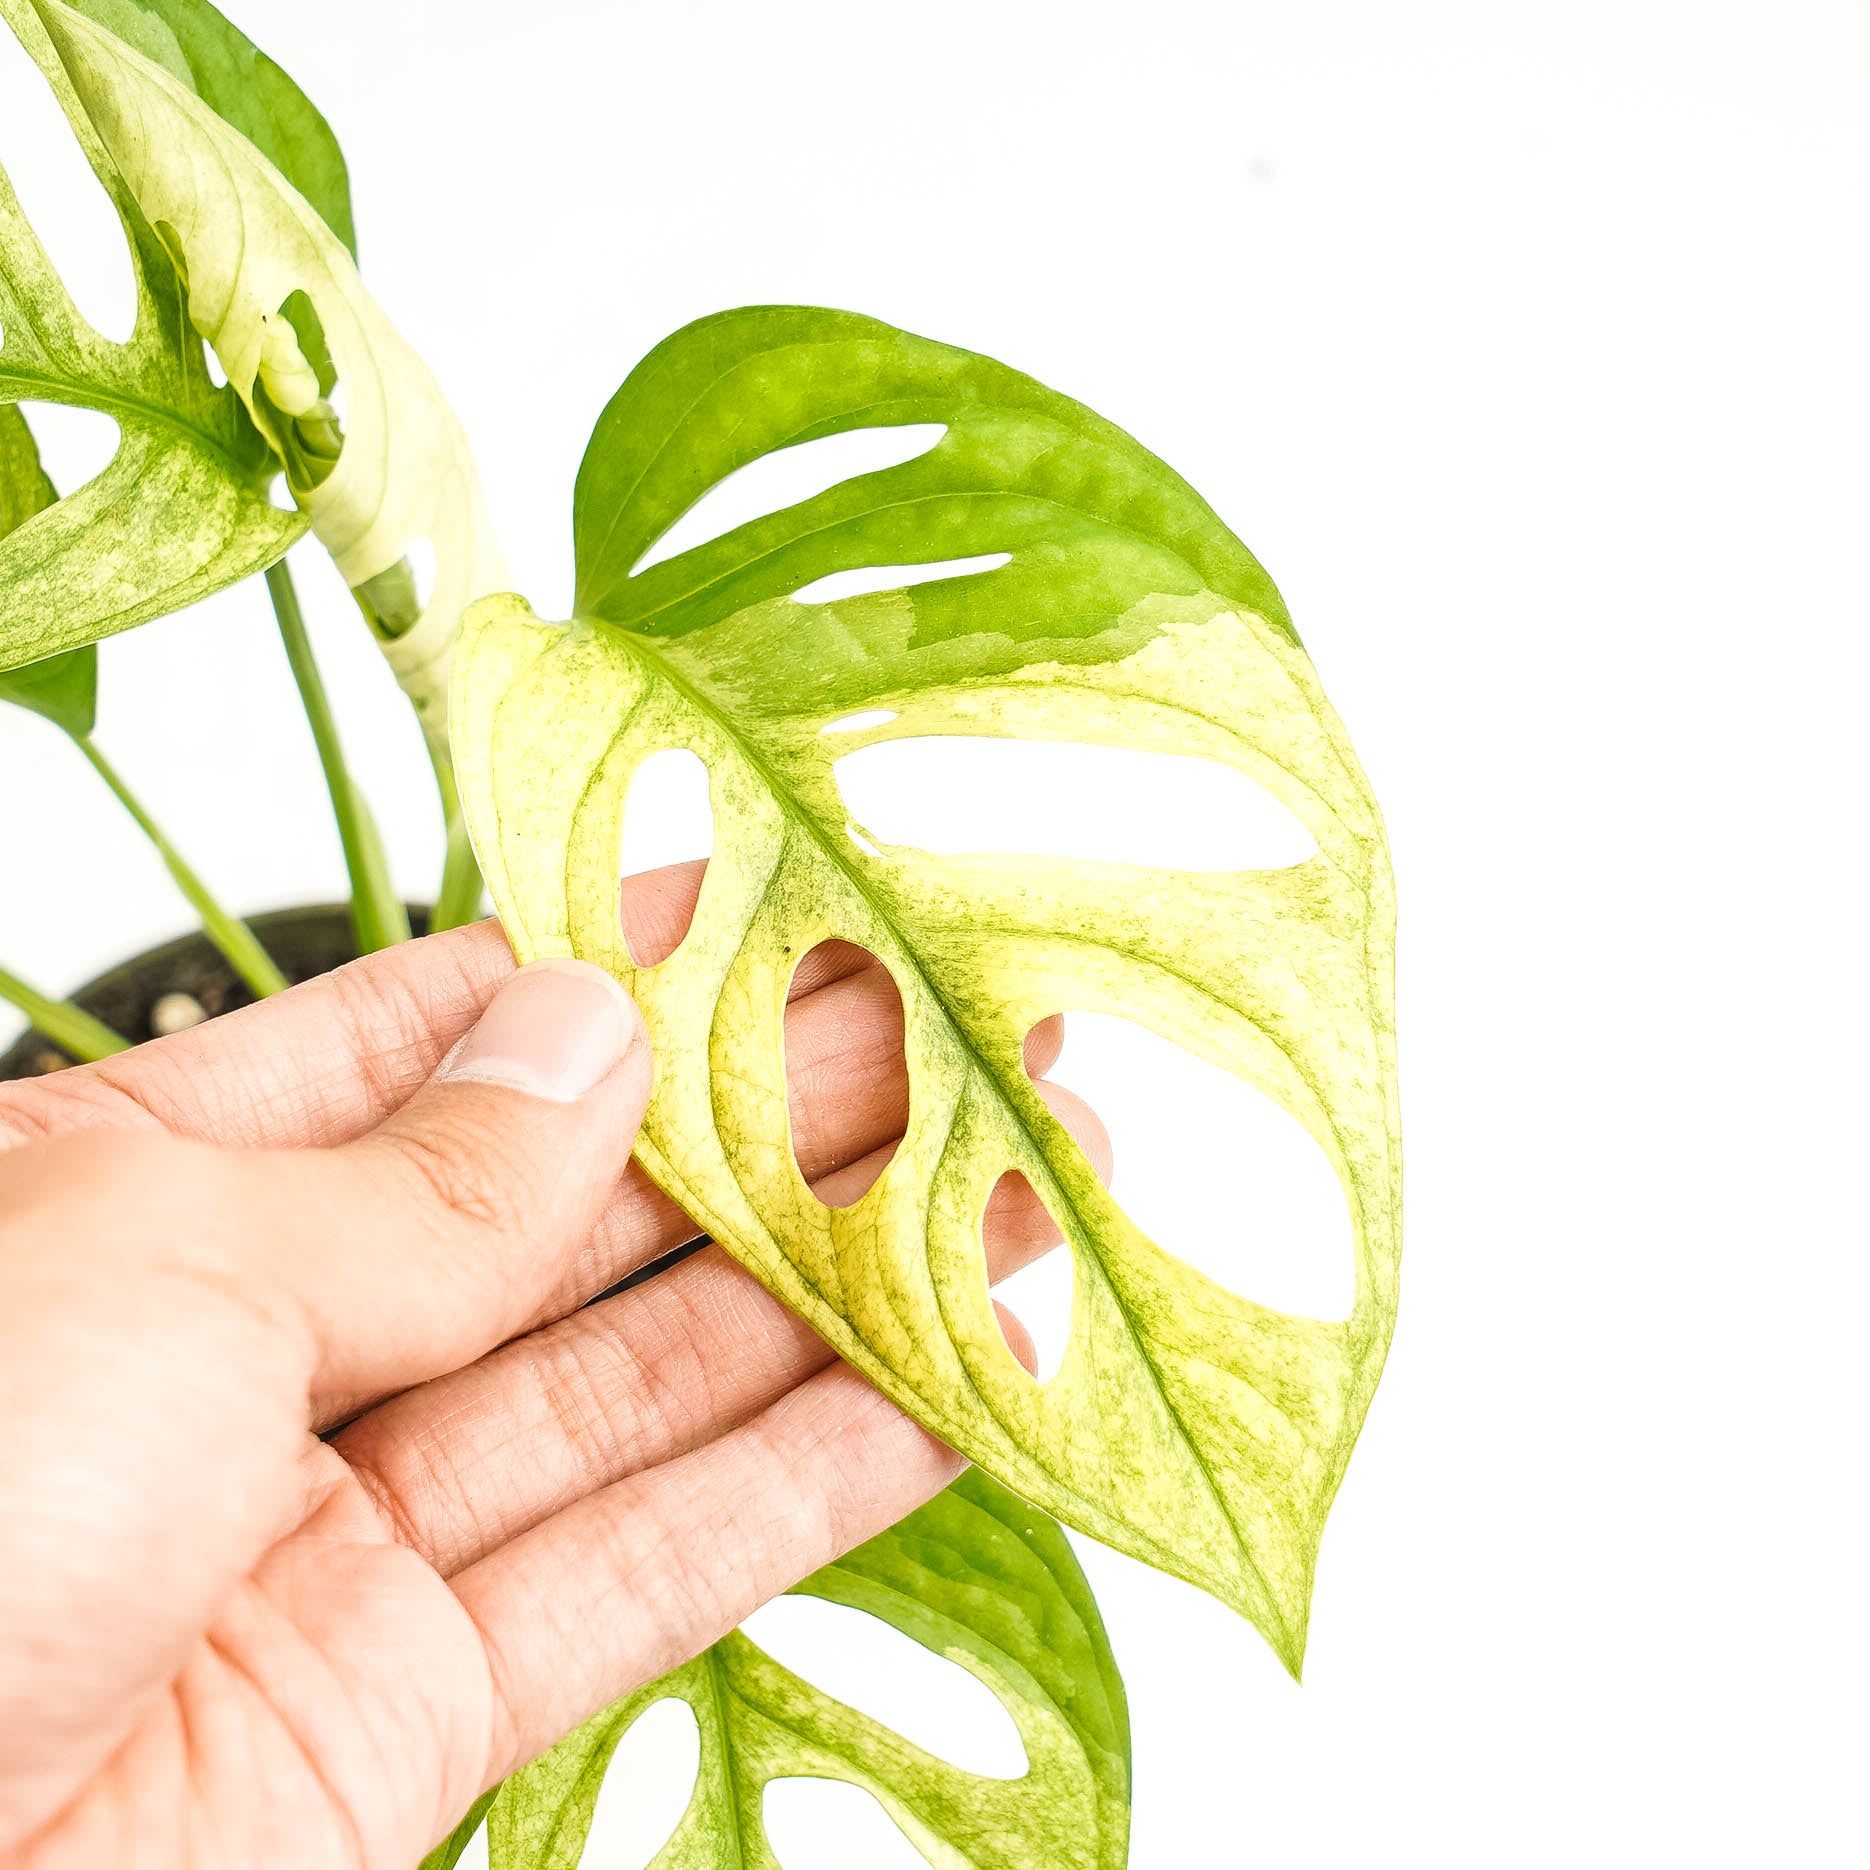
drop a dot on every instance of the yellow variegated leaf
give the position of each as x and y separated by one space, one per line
1188 1424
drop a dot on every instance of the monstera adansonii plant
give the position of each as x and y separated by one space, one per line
1188 1425
1033 573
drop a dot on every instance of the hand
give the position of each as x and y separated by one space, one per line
384 1200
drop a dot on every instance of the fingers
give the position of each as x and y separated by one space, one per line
646 1573
327 1061
361 1041
418 1247
476 1458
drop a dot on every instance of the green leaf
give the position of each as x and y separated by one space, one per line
25 487
201 48
453 1847
62 688
976 1576
1190 1426
262 266
182 509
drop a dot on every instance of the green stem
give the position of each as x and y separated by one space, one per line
61 1022
458 900
228 933
378 917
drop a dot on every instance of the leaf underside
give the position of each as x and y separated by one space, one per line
1188 1425
976 1576
182 509
255 250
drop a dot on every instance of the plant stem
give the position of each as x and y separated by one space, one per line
458 900
61 1022
377 914
228 933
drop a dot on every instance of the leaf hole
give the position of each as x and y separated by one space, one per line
847 1078
69 210
422 568
865 579
75 445
668 820
647 1788
1214 1171
786 477
951 794
395 600
858 722
1040 1291
829 1824
302 315
875 1668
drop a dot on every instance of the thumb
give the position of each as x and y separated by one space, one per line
453 1225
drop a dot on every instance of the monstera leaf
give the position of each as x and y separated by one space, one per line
182 509
63 688
1188 1425
201 48
275 292
976 1576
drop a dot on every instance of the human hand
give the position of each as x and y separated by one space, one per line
224 1640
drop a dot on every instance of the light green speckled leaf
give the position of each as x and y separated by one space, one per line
249 245
976 1576
182 509
64 687
1188 1425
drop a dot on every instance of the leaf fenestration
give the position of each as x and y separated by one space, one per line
1188 1425
976 1576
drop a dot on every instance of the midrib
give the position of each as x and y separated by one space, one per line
795 811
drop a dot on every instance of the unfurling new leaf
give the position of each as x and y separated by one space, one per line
1188 1425
265 272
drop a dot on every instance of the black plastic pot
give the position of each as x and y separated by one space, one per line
304 942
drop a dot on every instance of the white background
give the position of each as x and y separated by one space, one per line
1526 344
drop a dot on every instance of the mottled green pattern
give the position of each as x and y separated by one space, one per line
976 1576
249 245
62 688
182 509
1188 1425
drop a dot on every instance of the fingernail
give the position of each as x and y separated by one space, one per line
556 1030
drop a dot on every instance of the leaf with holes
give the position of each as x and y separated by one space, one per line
976 1576
182 509
276 294
1188 1425
63 688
